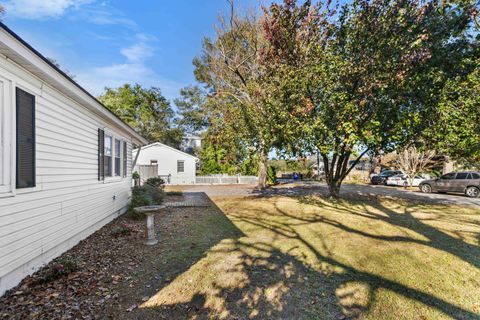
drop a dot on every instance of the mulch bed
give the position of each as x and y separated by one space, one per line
104 261
117 272
106 282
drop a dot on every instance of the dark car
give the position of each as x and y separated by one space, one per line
382 177
467 182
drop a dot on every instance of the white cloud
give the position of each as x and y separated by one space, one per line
41 9
134 70
137 52
107 16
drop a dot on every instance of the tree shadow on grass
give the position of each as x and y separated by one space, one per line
242 277
437 240
374 210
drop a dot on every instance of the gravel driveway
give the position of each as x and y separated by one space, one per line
351 190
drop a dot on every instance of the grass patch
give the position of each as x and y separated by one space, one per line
310 258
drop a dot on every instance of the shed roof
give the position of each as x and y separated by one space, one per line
159 144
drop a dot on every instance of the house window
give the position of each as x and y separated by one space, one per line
118 159
25 104
153 162
180 166
108 156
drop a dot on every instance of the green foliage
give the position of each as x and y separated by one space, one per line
155 182
456 131
193 109
59 267
151 193
146 110
364 78
135 175
123 230
232 69
217 158
271 175
249 167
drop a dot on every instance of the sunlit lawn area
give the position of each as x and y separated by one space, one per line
309 258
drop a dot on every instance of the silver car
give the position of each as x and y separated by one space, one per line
467 182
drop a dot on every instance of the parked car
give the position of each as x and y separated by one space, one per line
382 177
467 182
402 180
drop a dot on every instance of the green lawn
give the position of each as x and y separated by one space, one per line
309 258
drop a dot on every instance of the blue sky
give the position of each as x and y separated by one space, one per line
108 43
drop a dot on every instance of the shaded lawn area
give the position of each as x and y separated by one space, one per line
308 258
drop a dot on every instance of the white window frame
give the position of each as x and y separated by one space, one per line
7 138
106 137
113 177
115 157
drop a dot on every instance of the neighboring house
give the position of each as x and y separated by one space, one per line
65 161
174 166
191 143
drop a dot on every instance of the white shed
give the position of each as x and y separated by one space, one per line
175 166
65 161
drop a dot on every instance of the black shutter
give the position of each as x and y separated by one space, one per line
124 158
101 155
25 164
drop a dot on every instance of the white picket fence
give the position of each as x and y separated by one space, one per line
226 179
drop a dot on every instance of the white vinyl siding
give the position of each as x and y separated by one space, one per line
68 202
169 161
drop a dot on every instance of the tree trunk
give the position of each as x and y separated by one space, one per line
334 189
337 169
376 164
263 169
447 165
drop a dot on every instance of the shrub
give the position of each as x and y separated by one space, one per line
59 267
271 175
136 178
154 189
122 230
155 182
151 193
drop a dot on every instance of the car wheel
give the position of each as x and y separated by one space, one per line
472 192
426 188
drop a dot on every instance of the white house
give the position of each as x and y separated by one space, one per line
174 165
65 161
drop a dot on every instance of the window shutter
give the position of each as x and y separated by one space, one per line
25 105
101 155
124 158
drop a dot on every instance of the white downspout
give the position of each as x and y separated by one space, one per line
136 157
